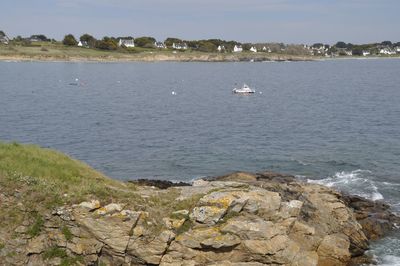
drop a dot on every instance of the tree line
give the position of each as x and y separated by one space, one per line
206 45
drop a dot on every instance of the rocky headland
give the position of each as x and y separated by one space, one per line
237 219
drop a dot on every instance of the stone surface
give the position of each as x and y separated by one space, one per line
238 219
90 206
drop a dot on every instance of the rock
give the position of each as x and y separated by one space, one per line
279 249
238 219
221 242
237 176
303 229
161 184
173 223
64 213
109 209
308 258
207 214
290 209
90 206
21 229
334 250
182 213
375 217
37 245
112 231
275 177
252 228
150 252
264 203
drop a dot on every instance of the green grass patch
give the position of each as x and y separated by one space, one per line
54 252
187 204
53 179
67 233
36 227
2 245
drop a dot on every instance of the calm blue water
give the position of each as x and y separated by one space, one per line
333 122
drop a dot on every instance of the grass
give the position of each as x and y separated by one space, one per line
53 179
43 179
36 227
56 252
67 233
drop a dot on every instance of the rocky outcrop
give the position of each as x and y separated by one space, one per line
237 219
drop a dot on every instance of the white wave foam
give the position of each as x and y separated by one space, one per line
389 260
356 182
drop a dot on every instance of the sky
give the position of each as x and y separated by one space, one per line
288 21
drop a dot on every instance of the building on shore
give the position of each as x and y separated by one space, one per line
253 49
128 43
83 44
160 45
179 46
237 48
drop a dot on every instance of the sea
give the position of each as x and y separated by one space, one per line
333 122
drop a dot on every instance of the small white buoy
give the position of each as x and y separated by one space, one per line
173 93
76 79
260 92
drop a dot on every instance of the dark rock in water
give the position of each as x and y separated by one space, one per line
375 217
276 177
161 184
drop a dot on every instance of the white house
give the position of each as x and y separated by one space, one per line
179 46
4 39
397 48
253 49
160 45
348 52
221 48
129 43
266 49
237 49
387 51
365 53
83 44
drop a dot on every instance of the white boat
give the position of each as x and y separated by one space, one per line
244 90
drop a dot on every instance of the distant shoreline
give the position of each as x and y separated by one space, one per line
206 57
116 57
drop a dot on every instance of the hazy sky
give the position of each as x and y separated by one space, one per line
289 21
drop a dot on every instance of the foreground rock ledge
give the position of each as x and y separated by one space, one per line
237 219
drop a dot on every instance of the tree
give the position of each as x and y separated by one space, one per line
2 34
341 45
207 46
40 37
70 40
18 38
317 45
169 41
247 46
107 43
89 39
147 42
386 43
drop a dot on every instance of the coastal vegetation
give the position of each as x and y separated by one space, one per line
147 48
